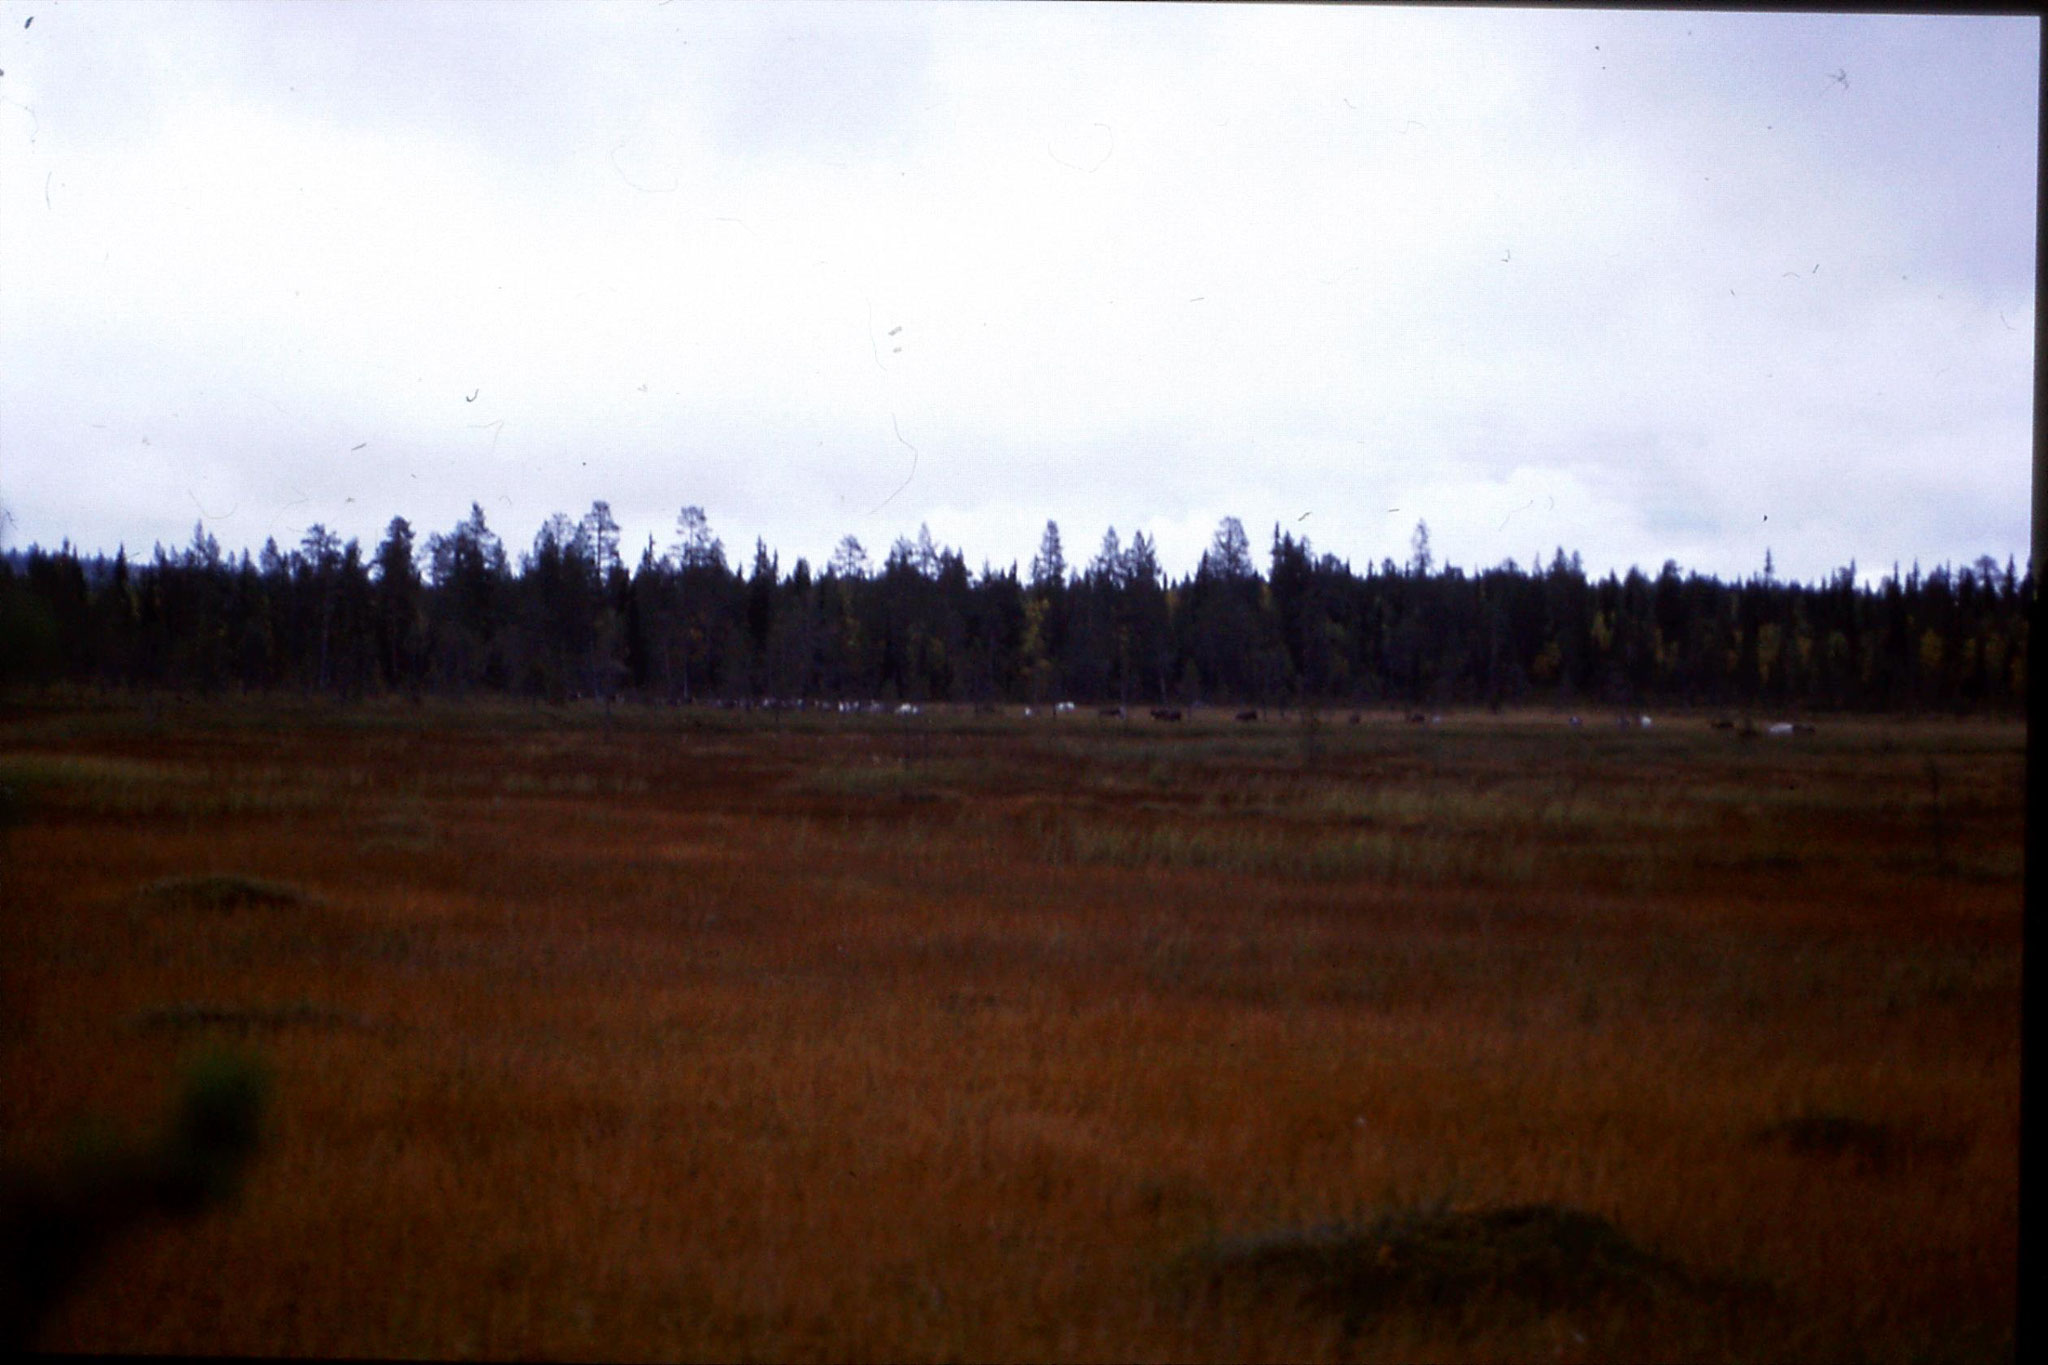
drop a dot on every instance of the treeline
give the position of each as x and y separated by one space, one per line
456 615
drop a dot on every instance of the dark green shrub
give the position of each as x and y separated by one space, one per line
53 1225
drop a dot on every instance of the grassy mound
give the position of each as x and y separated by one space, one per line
1864 1144
188 1015
1537 1257
222 891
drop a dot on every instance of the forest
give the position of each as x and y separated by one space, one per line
458 615
605 1030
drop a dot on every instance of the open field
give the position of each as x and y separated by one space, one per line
706 1034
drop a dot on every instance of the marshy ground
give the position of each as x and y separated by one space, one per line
689 1033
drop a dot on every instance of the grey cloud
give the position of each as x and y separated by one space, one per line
1443 262
822 82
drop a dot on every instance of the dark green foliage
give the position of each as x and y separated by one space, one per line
55 1224
570 621
215 1131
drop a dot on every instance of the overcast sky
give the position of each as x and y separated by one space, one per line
1645 285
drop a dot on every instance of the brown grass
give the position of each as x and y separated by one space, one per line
707 1035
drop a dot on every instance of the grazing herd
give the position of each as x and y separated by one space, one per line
1777 729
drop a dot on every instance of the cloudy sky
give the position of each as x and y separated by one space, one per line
1644 285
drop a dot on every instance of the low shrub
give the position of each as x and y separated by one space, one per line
1539 1258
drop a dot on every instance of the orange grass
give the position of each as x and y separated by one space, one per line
699 1035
